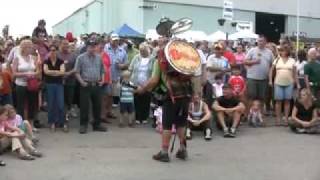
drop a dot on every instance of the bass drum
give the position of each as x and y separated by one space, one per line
182 57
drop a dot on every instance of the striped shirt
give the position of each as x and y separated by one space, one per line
126 94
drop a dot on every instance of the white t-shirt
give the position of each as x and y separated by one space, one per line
300 67
218 89
158 114
214 62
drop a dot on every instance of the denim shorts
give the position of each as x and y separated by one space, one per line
283 92
107 89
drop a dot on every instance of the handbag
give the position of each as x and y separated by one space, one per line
33 84
274 72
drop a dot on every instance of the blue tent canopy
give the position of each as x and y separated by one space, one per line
127 31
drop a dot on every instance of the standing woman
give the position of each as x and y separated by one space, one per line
285 79
54 71
25 68
141 69
240 56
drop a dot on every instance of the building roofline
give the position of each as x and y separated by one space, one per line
75 12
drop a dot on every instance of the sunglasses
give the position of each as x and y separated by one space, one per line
53 50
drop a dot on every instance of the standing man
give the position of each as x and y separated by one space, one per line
90 74
175 106
258 61
119 60
311 73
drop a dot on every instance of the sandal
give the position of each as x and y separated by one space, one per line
2 163
27 157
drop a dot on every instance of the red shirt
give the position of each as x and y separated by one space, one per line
230 56
238 84
107 67
6 79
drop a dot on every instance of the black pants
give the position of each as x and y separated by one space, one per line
87 94
142 106
69 91
24 96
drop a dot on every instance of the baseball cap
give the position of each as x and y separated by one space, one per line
114 37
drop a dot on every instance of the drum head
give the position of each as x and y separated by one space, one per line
183 57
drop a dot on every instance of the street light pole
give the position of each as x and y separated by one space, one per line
298 27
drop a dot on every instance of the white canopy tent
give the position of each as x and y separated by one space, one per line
217 36
245 34
192 36
152 34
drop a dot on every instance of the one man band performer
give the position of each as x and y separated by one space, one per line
178 89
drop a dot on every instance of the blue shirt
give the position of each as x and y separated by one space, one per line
117 56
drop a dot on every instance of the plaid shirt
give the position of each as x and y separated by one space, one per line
90 68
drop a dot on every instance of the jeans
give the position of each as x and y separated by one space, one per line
5 99
93 94
283 92
55 94
23 97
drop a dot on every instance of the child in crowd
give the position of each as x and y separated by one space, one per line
5 87
255 115
126 100
238 83
16 138
158 115
217 86
15 120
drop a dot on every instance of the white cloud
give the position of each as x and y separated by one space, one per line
23 15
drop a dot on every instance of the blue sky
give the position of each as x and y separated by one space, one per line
23 15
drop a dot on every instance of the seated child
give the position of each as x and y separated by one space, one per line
126 100
255 115
158 116
199 118
15 120
15 138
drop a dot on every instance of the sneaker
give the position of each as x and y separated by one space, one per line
145 122
300 130
207 136
226 133
188 134
138 122
36 153
162 157
83 130
115 105
232 132
182 154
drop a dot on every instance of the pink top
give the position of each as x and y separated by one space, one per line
3 126
240 57
16 122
